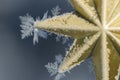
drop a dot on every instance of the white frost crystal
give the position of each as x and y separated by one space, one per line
28 28
62 38
27 25
56 11
53 68
59 76
58 58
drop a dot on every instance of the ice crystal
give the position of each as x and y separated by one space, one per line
52 68
58 58
28 28
27 25
45 16
56 11
90 65
59 76
62 38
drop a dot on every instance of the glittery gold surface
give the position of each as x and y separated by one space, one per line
96 34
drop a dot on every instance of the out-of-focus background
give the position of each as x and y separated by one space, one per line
20 59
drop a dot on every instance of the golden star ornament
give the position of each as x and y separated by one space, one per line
95 27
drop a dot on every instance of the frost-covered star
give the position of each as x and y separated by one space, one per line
95 27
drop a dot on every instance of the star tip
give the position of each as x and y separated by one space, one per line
36 23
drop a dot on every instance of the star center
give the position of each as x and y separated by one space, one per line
104 28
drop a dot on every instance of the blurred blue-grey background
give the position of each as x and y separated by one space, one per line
20 59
